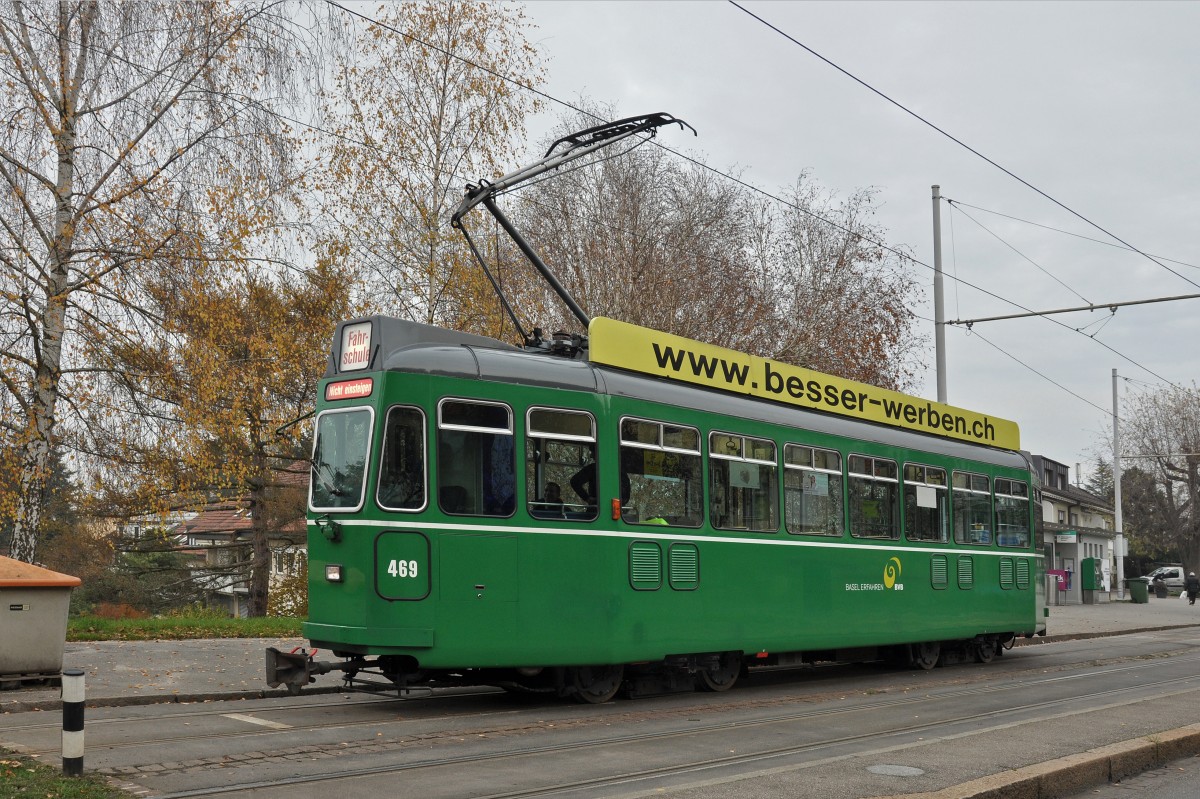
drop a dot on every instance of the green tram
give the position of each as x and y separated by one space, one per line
548 519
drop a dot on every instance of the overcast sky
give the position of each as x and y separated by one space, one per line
1095 104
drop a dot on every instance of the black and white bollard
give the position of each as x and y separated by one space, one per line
72 728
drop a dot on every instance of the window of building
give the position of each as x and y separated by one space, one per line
1062 517
874 497
812 488
972 505
661 474
286 562
926 503
402 467
560 464
744 481
1012 513
476 464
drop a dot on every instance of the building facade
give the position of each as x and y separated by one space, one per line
1078 534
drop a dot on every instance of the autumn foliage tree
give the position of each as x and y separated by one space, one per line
119 119
229 378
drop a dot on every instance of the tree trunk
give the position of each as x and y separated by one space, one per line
260 527
35 460
260 568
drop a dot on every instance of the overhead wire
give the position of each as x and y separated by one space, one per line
1007 244
954 266
956 140
585 112
887 248
1047 378
1102 322
1064 232
1139 382
904 256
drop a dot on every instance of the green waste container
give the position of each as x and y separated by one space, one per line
1138 589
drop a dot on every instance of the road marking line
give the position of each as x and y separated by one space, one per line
275 725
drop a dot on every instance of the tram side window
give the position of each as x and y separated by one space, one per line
1012 513
812 490
560 464
874 497
339 462
744 482
476 461
660 472
402 467
926 505
972 503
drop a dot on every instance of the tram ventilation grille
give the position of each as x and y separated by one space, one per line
683 563
645 565
966 572
939 571
1006 572
1022 573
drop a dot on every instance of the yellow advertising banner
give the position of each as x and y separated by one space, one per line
652 352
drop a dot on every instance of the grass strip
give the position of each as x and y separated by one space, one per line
27 777
95 628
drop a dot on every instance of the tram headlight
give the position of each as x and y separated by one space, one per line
333 572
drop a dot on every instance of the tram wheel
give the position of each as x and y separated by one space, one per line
596 685
723 675
985 650
926 654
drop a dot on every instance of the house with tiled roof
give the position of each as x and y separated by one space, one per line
220 534
222 531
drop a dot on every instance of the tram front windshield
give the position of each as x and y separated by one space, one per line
340 458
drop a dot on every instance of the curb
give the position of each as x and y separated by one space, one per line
1075 773
1053 639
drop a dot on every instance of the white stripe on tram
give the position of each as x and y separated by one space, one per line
646 534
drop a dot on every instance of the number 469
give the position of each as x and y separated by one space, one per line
402 568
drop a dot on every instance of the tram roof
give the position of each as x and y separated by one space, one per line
404 346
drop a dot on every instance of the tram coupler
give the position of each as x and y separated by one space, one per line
295 669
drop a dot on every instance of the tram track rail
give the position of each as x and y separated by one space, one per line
1041 711
375 722
1141 685
355 699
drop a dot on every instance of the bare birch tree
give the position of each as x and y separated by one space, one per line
130 129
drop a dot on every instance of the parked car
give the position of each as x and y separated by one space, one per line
1173 576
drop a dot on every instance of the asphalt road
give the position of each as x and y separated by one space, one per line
844 732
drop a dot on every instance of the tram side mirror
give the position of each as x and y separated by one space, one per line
329 528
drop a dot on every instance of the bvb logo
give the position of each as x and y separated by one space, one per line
891 572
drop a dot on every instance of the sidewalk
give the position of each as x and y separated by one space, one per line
145 672
1113 618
